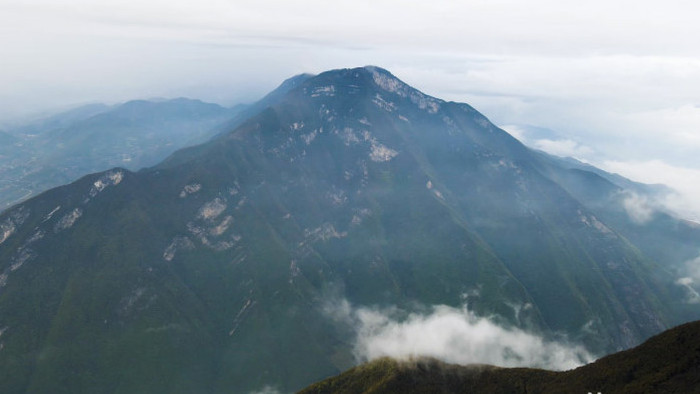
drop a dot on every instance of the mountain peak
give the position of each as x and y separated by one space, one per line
287 85
381 86
291 83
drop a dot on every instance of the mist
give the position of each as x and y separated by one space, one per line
649 160
266 390
453 335
638 208
690 278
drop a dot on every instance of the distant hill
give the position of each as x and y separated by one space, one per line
61 148
666 363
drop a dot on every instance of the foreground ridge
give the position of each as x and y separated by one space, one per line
666 363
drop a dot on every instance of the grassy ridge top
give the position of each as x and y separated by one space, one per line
666 363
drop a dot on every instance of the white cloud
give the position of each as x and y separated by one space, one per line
691 268
679 124
454 336
516 131
564 148
551 142
617 107
685 181
639 208
692 296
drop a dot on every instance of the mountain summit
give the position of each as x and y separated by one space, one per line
218 270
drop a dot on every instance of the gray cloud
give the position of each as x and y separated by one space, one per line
452 335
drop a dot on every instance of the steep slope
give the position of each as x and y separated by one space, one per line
633 210
214 270
666 363
245 111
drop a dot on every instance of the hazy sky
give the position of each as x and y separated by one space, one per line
618 82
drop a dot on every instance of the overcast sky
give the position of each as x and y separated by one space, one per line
612 82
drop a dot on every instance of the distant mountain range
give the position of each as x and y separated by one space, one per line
61 148
666 363
214 271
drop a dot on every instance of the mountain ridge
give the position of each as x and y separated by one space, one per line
668 362
134 134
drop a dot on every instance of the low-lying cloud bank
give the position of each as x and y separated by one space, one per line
454 336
